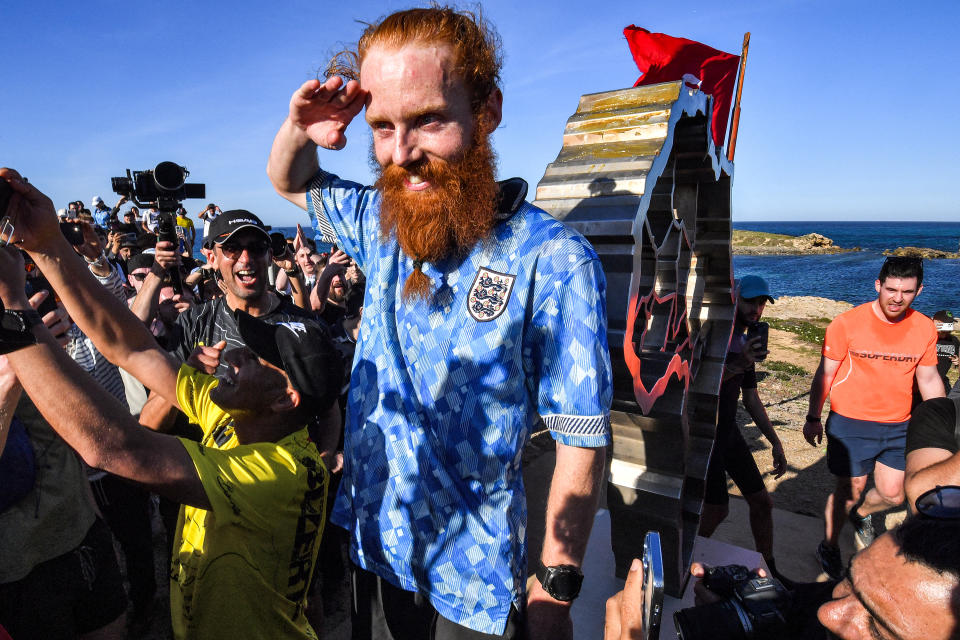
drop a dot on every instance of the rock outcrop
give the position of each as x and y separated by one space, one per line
761 243
922 252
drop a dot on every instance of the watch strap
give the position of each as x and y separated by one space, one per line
16 329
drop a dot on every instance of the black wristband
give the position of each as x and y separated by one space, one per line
293 272
811 418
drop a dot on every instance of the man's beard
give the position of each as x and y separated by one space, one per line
447 219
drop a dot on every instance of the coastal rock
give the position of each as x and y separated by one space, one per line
762 243
921 252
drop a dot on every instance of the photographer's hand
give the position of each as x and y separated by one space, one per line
166 256
753 351
703 595
32 214
92 251
624 619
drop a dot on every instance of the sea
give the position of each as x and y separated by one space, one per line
846 276
851 276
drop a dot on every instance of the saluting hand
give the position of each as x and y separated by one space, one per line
323 110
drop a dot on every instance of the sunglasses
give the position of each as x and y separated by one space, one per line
255 249
942 503
139 276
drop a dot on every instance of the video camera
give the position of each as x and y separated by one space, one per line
164 187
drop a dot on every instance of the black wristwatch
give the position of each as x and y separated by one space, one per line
812 418
562 582
16 329
293 272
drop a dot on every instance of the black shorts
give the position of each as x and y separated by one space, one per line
855 446
731 455
70 595
382 611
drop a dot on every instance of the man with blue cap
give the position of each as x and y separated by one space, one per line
731 454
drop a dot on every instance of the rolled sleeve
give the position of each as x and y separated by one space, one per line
575 382
345 213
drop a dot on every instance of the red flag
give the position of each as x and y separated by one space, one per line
663 58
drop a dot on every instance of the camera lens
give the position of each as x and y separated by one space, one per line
724 620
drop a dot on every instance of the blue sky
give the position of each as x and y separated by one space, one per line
848 107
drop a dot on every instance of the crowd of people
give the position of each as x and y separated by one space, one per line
388 385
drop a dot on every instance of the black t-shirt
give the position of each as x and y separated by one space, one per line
731 386
933 424
332 314
212 321
946 349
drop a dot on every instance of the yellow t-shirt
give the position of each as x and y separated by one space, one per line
242 569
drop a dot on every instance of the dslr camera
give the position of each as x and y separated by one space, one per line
752 607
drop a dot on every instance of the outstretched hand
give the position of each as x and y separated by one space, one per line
31 213
323 110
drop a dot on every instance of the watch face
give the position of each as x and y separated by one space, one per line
563 584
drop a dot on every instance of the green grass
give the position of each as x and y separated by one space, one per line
784 367
807 331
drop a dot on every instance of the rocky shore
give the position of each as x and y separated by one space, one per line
762 243
922 252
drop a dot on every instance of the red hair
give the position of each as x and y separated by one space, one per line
475 43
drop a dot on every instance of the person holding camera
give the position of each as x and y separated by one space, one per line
254 508
901 587
871 356
731 454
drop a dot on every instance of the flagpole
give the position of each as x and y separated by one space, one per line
735 122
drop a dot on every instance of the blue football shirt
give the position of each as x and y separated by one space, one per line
444 395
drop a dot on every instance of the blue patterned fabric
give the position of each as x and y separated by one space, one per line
444 395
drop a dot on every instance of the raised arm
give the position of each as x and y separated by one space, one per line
319 115
116 332
819 389
86 416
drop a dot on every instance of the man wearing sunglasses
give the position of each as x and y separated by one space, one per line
238 248
871 356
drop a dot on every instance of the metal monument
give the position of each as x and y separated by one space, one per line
640 176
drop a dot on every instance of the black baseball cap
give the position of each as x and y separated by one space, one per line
228 223
305 352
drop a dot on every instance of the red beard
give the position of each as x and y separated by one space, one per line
449 218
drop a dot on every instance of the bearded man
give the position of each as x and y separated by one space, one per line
481 313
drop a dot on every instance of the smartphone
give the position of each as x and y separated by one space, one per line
652 585
761 329
278 243
73 232
5 192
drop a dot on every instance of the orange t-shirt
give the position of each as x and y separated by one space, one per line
878 362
